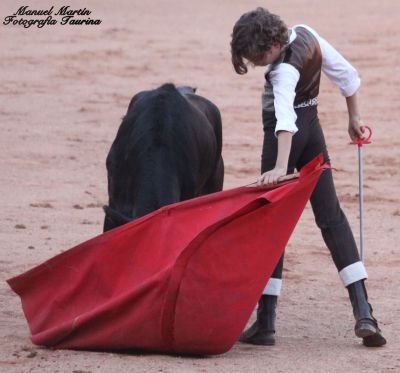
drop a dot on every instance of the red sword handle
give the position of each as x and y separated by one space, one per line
363 140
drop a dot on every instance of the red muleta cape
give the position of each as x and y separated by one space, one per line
183 279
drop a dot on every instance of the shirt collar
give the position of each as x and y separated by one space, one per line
292 35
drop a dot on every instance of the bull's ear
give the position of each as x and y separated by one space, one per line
135 99
187 89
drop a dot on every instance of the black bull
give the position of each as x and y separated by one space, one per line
167 149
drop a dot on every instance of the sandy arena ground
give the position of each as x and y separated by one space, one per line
63 92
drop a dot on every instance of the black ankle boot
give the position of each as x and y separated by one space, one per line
262 332
366 325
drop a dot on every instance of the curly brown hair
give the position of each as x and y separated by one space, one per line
253 34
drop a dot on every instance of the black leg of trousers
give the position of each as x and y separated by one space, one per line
333 223
329 216
307 143
268 160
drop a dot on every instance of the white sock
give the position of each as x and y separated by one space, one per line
353 273
273 287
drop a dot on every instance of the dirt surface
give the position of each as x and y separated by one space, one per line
63 92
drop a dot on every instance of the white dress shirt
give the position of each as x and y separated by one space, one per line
284 78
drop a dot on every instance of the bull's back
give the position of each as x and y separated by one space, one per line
177 124
212 113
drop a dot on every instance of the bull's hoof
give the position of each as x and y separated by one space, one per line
255 335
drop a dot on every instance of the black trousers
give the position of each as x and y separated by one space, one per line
307 143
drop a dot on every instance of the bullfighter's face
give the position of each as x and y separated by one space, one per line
268 57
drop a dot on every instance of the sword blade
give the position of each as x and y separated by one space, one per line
361 201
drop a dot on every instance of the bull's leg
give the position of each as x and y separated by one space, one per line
113 219
109 222
216 181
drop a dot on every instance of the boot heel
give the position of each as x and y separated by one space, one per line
365 328
366 325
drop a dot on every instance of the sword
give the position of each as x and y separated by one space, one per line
360 142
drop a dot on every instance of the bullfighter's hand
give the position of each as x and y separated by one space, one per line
356 131
272 176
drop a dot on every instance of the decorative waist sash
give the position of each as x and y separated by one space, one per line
310 102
